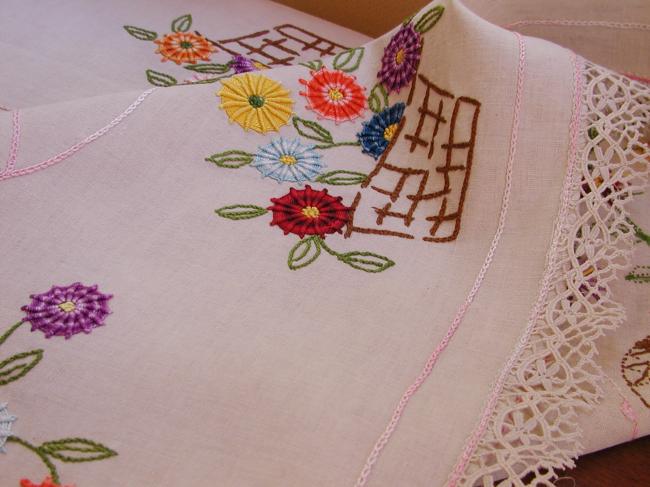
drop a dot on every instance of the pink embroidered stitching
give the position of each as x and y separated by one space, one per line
15 140
9 172
478 432
626 408
581 23
426 371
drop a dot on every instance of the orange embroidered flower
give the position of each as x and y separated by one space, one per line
48 482
334 95
184 47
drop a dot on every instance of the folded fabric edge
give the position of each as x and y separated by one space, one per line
528 428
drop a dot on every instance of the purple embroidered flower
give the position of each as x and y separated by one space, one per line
241 64
67 310
401 58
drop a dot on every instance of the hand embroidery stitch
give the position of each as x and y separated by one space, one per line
288 160
334 95
6 422
63 310
256 102
635 369
310 214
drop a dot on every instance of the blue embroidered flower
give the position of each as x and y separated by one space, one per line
379 130
288 160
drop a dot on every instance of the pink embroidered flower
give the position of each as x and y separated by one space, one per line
67 310
401 58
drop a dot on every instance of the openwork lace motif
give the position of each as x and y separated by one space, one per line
529 426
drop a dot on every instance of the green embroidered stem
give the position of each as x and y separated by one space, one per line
639 233
640 274
336 144
324 246
362 261
50 466
8 333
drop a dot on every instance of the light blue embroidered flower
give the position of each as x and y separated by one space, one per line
6 421
288 160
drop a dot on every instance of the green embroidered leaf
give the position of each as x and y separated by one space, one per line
241 212
429 19
231 159
312 130
160 79
314 65
209 68
182 23
304 253
139 33
349 60
342 177
366 261
76 450
378 98
18 365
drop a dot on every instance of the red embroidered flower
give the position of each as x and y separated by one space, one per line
334 95
48 482
309 212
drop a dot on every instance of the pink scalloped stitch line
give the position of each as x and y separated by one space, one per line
460 314
15 139
626 408
477 434
581 23
9 172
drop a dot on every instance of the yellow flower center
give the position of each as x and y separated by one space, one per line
399 56
288 160
67 306
311 212
335 94
390 131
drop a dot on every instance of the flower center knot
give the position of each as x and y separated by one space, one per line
67 306
287 159
311 212
389 131
186 45
335 94
399 56
256 101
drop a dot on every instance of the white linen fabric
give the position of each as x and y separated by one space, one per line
237 355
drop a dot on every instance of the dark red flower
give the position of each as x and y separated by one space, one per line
309 212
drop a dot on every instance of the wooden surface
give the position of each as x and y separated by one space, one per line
370 17
626 465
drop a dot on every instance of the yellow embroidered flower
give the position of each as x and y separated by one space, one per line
256 102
